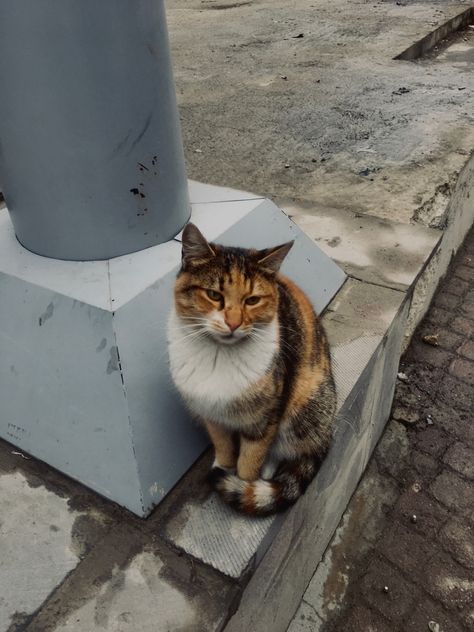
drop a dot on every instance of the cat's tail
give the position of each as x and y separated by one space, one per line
262 497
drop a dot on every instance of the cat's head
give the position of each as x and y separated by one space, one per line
227 293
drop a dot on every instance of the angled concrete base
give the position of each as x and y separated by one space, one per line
84 379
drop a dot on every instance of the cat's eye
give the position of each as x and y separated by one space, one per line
213 295
252 300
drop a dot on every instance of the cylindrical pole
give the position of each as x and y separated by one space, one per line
91 157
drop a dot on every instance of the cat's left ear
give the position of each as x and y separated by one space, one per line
195 247
272 258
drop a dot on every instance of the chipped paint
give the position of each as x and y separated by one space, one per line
113 364
46 315
101 345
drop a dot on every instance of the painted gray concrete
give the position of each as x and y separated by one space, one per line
92 163
200 192
104 407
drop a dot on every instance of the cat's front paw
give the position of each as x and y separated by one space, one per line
230 469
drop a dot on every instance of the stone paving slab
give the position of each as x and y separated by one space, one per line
216 535
136 593
41 540
130 583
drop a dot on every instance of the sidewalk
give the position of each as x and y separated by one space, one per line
402 558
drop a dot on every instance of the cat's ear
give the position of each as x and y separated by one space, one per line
195 247
272 258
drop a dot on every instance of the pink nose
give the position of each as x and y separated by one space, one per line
232 325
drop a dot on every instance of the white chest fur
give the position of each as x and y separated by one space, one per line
210 375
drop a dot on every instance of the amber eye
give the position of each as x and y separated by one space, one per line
252 300
213 295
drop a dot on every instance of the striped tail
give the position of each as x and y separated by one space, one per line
261 497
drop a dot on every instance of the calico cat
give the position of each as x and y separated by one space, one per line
251 360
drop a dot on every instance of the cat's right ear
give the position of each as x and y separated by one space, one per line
195 247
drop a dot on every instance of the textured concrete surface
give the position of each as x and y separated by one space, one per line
38 550
361 525
366 247
458 217
409 526
293 102
137 589
216 535
44 534
73 561
290 100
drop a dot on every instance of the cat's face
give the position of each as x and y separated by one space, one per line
227 293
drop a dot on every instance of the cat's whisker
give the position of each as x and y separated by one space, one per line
191 331
189 327
196 319
195 335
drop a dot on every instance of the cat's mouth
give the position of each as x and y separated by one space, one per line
229 338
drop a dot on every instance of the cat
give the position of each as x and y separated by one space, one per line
251 360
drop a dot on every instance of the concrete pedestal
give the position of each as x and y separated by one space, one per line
84 380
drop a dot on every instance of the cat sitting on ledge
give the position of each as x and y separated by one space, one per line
250 358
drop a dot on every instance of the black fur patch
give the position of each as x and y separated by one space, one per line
215 476
291 333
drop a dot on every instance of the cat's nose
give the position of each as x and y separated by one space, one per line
233 325
233 319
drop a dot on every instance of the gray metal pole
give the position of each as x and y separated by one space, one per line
91 158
